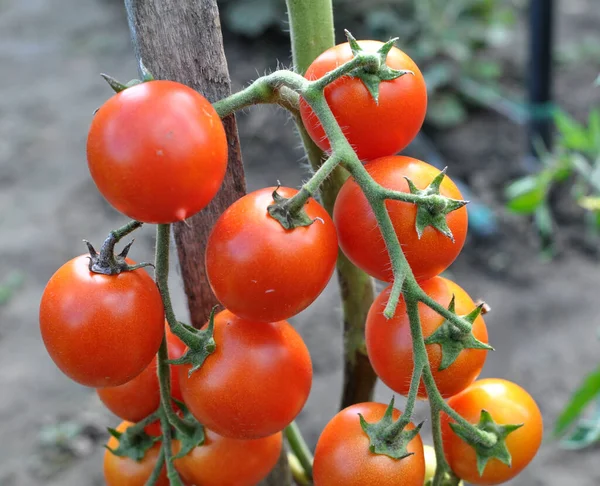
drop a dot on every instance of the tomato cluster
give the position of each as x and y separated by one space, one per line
157 151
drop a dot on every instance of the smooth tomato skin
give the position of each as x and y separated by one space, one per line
254 384
101 330
261 271
342 456
140 397
389 344
360 237
229 462
373 129
124 471
508 403
157 151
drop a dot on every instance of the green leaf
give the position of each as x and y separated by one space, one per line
574 135
446 110
585 433
587 391
252 17
594 129
543 220
525 195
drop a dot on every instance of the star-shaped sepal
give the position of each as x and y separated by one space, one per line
387 437
133 442
452 340
372 77
201 344
193 436
496 447
286 214
433 211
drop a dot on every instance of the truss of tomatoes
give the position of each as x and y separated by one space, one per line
104 331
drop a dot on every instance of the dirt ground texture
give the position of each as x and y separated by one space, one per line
544 322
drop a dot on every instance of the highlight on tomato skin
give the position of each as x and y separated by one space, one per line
360 237
507 403
342 455
157 169
254 384
261 271
374 129
101 330
389 342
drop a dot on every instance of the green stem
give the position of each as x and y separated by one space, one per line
157 471
124 230
299 447
310 188
462 325
172 474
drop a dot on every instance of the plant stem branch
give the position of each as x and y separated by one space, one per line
172 474
157 471
299 447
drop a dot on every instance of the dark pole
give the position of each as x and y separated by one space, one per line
541 13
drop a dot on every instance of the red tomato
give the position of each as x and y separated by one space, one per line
342 456
389 344
124 471
254 384
361 239
140 397
157 151
229 462
508 404
101 330
261 271
374 129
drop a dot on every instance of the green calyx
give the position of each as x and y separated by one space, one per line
200 342
288 212
452 340
117 86
371 75
193 435
489 440
433 211
387 437
133 443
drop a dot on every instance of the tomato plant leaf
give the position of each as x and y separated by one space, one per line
526 194
587 391
133 443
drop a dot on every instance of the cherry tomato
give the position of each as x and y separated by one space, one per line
254 384
140 397
361 239
124 471
157 151
261 271
373 128
229 462
389 343
342 456
508 404
101 330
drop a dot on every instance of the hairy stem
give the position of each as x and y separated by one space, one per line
299 447
167 446
157 471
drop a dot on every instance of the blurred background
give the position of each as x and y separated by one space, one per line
532 250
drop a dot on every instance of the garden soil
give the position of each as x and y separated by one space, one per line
544 320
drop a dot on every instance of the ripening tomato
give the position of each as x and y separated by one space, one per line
373 128
140 397
389 343
507 403
124 471
254 384
342 456
157 151
101 330
261 271
361 239
220 461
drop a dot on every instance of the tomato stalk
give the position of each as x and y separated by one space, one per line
299 448
156 473
167 447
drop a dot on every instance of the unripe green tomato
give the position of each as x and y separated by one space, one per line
431 464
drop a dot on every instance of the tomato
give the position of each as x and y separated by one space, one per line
140 397
254 384
361 239
157 151
261 271
124 471
508 404
389 343
342 456
374 129
229 462
101 330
